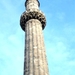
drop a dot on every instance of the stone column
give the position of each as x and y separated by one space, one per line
33 22
35 63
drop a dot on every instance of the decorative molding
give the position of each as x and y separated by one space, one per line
32 15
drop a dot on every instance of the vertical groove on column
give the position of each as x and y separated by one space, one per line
32 51
32 46
26 48
25 52
42 54
31 54
41 67
36 50
39 48
37 28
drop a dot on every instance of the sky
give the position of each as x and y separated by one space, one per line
59 36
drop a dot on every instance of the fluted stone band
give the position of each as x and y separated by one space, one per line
32 15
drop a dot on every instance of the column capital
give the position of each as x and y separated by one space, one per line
32 15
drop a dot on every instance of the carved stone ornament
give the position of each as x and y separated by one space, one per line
32 15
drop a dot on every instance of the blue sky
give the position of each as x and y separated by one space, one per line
59 36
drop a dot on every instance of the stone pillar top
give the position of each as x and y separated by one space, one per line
32 15
32 12
32 1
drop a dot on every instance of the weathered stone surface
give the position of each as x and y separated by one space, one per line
35 61
32 22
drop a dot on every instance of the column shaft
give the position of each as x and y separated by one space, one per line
35 61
